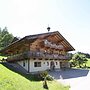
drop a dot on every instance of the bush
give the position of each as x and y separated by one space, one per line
42 76
50 78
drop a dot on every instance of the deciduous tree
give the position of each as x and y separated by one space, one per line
79 59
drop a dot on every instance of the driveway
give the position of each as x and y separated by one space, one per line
77 79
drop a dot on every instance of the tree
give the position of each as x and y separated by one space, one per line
85 60
15 39
86 54
79 59
5 38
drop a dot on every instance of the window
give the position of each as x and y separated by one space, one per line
47 63
24 63
37 64
56 63
17 52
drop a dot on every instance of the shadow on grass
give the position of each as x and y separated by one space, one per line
29 76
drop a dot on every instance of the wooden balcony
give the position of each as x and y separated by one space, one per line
39 55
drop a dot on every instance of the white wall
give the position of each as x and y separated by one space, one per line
58 64
26 64
43 67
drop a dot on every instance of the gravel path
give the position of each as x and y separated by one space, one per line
77 79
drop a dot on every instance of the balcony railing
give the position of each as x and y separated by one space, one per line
34 54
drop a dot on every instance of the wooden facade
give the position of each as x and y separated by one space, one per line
46 46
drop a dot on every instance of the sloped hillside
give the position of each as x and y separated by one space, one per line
10 80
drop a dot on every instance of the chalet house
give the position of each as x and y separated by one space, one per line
46 51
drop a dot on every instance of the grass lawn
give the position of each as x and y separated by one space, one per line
10 80
88 63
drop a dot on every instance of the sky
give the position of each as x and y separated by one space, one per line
70 17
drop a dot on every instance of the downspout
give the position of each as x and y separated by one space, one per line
28 65
29 61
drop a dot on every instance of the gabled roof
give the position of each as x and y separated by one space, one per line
31 38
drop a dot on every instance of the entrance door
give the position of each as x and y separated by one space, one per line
52 65
61 66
